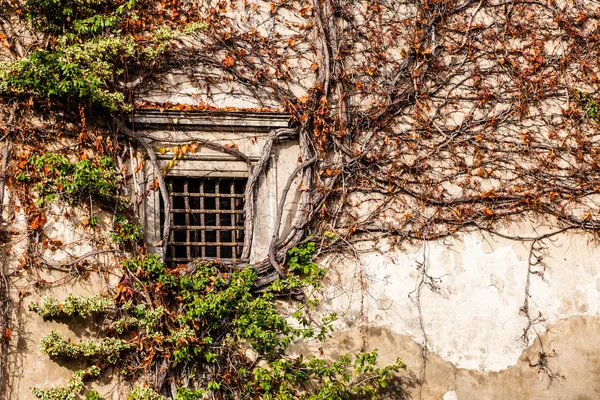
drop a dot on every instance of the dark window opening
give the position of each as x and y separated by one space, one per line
207 218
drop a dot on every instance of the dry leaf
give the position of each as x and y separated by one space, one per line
228 61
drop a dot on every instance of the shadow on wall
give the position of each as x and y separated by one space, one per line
574 344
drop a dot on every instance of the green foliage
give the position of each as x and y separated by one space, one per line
208 297
57 15
199 318
590 106
126 231
93 221
55 175
87 54
92 395
75 385
150 265
331 236
106 350
337 380
72 306
144 393
78 71
188 394
304 271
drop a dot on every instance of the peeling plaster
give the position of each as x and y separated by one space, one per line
471 317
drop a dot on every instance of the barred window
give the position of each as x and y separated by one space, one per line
207 218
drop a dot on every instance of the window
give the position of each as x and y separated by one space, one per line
207 218
207 186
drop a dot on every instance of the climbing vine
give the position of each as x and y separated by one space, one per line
205 331
416 120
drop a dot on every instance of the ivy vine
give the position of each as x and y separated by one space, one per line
199 323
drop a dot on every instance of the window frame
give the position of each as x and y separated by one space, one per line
249 128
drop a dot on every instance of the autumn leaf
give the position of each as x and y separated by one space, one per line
305 10
37 222
228 61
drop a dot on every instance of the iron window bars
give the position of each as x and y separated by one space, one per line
207 218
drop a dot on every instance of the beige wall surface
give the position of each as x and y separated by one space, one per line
454 311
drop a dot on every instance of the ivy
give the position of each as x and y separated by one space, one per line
106 350
202 318
151 265
72 306
144 393
92 395
126 231
76 71
337 379
54 16
54 175
88 53
305 271
589 105
75 385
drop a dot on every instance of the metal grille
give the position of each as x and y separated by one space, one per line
207 218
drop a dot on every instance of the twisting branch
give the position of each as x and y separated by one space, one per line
280 209
250 194
5 303
164 191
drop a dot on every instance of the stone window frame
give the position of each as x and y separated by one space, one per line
160 128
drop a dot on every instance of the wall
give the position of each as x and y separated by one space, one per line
453 311
456 303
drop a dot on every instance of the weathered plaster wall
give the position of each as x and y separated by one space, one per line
26 365
574 339
462 298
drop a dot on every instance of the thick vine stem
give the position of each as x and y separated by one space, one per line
275 237
164 191
252 186
5 302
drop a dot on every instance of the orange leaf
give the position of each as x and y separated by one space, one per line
228 61
37 222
